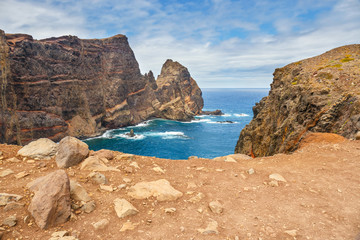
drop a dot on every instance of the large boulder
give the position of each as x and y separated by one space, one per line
42 148
71 152
160 189
319 94
51 204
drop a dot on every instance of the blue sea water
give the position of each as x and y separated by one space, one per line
206 136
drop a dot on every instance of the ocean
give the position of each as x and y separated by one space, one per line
205 136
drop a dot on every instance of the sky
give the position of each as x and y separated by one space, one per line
223 43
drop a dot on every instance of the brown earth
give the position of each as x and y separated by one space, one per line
320 199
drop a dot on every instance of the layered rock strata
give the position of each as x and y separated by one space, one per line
320 94
69 86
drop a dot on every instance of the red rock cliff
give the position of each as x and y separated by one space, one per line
69 86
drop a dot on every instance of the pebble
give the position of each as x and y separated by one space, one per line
13 160
170 210
135 165
251 171
10 221
128 169
98 178
89 207
6 172
103 223
21 175
292 233
158 169
182 229
273 183
210 229
128 226
122 186
216 207
277 177
106 188
127 180
197 198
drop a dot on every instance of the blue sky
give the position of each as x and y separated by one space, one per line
223 43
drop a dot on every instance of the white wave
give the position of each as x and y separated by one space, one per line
142 124
241 115
222 122
167 135
198 120
126 136
226 115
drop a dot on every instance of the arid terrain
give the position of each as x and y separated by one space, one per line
319 200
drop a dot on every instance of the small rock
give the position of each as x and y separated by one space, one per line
42 148
71 151
97 178
6 172
170 210
210 229
161 189
128 169
6 198
216 207
60 234
78 193
10 221
93 163
13 160
135 165
277 177
292 233
89 207
236 238
182 229
197 198
123 208
251 171
102 224
122 186
13 205
21 175
273 183
127 180
107 188
158 169
230 159
128 226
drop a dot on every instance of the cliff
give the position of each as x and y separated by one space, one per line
320 94
69 86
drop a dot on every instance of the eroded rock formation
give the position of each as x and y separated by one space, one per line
69 86
320 94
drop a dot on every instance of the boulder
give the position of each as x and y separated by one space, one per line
94 163
78 193
43 148
71 151
123 208
160 189
50 205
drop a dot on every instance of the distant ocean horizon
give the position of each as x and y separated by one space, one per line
205 136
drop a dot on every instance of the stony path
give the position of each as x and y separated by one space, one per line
311 194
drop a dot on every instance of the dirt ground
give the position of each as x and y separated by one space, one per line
320 200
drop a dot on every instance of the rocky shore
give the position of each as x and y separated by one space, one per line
67 86
64 191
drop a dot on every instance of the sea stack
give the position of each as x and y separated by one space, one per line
319 94
79 87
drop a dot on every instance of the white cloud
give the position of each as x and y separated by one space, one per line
223 43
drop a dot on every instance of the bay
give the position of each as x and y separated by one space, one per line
205 136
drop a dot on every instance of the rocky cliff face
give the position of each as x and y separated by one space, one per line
69 86
320 94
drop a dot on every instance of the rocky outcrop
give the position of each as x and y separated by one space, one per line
320 94
69 86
